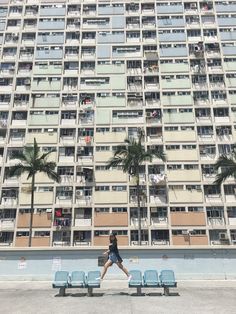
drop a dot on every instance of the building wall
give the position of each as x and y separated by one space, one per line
80 77
188 264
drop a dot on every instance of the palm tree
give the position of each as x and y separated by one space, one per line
32 162
131 156
227 164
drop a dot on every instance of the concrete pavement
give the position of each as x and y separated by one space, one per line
115 298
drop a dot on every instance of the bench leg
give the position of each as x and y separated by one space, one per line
139 291
166 291
62 291
90 291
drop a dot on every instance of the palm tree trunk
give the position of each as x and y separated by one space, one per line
139 211
31 209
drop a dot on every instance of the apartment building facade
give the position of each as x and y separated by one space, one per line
80 77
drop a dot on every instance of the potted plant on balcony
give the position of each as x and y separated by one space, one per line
131 156
31 162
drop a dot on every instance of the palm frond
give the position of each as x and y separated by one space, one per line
36 149
17 170
48 169
114 162
159 154
45 155
227 165
18 155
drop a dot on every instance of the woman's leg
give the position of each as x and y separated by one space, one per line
119 264
108 264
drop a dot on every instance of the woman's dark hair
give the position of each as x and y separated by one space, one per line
114 241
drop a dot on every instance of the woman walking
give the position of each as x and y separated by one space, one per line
113 257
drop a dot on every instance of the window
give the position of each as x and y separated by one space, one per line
102 188
102 209
195 209
177 209
120 232
102 130
119 209
102 148
42 233
119 188
98 233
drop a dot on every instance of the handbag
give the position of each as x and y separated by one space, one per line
102 259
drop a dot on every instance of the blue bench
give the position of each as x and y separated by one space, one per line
150 279
77 279
167 278
61 281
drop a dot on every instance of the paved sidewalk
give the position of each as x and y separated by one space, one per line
115 298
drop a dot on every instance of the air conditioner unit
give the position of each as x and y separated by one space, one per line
185 232
223 236
153 210
97 210
79 193
134 242
66 211
67 188
48 210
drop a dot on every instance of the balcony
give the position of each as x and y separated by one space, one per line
159 221
180 136
134 222
183 175
62 222
108 197
110 176
188 219
64 200
8 201
42 138
23 241
213 198
40 198
103 156
216 221
43 119
189 240
40 220
7 224
83 222
178 117
103 240
110 219
182 155
82 199
158 199
67 140
219 237
185 196
205 137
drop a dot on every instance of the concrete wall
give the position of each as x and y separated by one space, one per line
35 264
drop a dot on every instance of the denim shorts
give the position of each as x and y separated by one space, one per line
113 258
